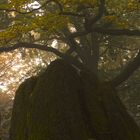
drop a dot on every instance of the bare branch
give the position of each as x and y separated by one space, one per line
29 46
91 20
127 72
104 52
116 32
64 56
105 31
100 12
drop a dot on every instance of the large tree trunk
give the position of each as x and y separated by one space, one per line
19 128
63 105
108 116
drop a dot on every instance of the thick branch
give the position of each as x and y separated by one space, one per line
66 57
127 72
117 32
29 45
100 12
72 43
91 20
114 32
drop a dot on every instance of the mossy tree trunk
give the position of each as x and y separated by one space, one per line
61 104
19 128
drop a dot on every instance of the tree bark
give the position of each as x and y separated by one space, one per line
19 128
65 105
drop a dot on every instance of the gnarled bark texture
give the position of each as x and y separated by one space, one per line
61 104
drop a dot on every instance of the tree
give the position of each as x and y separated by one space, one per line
84 27
60 104
81 26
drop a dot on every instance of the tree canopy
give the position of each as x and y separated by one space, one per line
84 31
